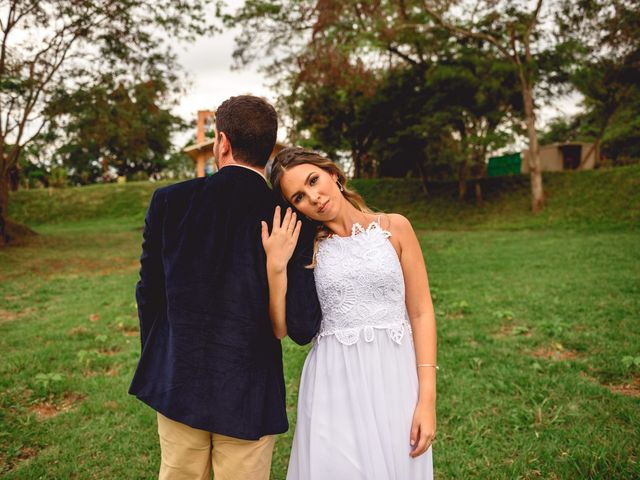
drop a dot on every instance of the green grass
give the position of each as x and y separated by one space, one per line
607 198
537 318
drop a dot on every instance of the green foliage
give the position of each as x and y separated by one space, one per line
441 123
606 75
385 83
54 47
504 315
631 362
46 379
114 125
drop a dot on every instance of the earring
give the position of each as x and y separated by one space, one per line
340 186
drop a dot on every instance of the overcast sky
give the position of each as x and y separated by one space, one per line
208 66
211 80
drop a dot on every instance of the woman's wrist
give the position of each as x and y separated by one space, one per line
427 400
427 394
276 267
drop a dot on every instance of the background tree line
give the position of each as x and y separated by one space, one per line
431 87
85 86
424 88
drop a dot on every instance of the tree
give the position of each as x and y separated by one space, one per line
608 33
337 59
60 44
411 32
328 108
326 51
443 122
481 95
112 125
511 29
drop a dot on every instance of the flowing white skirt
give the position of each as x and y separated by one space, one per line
355 408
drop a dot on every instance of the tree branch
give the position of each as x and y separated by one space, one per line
404 56
44 122
527 35
465 32
35 94
405 18
534 18
6 130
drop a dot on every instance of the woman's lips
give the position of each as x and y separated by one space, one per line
321 209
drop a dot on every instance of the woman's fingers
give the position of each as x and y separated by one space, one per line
289 224
296 232
421 447
265 232
423 444
415 431
286 220
276 219
292 223
421 441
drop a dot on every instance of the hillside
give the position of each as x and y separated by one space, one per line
605 198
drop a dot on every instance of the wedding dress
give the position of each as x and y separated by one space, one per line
359 384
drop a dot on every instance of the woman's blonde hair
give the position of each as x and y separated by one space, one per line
290 157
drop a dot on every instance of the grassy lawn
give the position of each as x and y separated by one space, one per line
538 323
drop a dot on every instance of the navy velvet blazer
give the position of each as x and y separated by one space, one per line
209 357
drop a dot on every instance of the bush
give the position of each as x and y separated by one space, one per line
58 177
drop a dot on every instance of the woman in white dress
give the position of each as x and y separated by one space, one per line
366 406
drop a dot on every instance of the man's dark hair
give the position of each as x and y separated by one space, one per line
251 125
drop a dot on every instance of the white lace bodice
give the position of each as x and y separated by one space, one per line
360 286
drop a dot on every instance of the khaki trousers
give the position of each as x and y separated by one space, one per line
190 454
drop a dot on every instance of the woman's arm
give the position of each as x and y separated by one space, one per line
423 324
279 247
303 310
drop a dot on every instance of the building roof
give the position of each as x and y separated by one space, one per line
196 148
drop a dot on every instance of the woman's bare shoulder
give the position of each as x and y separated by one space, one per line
395 222
401 231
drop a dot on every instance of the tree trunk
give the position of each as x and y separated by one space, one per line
423 176
462 181
105 169
478 193
357 163
367 166
594 150
4 205
537 192
479 170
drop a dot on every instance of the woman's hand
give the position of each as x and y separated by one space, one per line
279 246
423 428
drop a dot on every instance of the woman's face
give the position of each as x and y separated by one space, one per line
312 191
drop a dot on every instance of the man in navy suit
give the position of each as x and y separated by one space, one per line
210 364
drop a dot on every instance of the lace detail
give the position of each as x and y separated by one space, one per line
360 286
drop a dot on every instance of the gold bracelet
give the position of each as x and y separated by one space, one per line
428 365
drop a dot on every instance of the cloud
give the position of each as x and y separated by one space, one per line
207 64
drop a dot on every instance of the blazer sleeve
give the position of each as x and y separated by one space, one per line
303 312
150 289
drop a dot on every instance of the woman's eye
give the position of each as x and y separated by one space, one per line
313 180
297 198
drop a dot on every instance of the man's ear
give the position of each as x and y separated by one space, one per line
225 145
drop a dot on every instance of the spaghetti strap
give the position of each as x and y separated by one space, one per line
379 220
